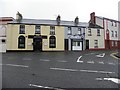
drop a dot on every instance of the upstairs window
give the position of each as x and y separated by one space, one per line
52 30
115 33
89 32
112 33
69 31
52 42
79 31
115 24
37 29
21 42
98 32
22 29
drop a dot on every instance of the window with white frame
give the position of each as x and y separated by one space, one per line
89 32
116 43
112 23
69 31
115 24
112 43
98 32
95 43
37 29
79 31
115 33
112 33
52 30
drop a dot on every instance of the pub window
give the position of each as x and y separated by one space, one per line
96 43
69 31
52 30
98 32
37 29
21 42
52 42
89 32
22 29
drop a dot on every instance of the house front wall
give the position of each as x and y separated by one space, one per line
94 37
3 29
75 38
13 35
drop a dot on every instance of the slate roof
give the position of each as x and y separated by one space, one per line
48 22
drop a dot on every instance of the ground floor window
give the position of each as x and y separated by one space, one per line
21 42
116 43
52 42
95 43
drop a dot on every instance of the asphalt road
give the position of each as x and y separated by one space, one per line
59 70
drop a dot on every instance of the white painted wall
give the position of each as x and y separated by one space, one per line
94 36
108 25
3 36
99 21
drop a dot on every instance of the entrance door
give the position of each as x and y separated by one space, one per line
87 44
77 45
37 44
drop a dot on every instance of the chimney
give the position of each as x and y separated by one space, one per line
18 17
58 19
76 21
92 18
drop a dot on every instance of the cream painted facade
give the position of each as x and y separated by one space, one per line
13 35
93 37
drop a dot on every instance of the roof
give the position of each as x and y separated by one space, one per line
5 20
49 22
107 18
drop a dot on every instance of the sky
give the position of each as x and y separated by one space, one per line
67 9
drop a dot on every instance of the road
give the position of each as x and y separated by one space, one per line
60 70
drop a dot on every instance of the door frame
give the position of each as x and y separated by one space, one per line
87 45
37 40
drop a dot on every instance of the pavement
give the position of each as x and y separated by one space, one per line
60 70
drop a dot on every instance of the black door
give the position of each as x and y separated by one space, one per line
87 44
37 44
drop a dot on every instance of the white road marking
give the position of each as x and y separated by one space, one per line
115 80
78 60
100 55
74 70
45 60
27 59
61 61
46 87
17 65
90 62
101 62
111 63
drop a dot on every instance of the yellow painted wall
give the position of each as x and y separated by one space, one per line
59 34
13 34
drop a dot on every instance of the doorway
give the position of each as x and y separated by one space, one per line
37 44
87 44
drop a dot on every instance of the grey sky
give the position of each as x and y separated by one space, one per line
68 9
